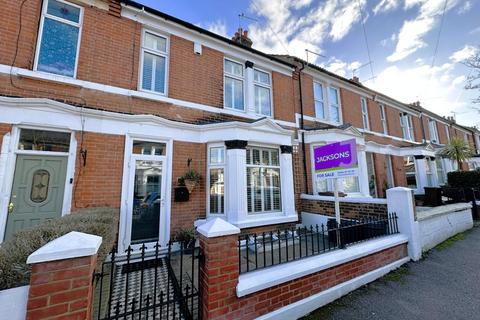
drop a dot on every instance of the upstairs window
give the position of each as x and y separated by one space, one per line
327 102
432 126
59 38
363 103
262 90
383 119
318 98
234 85
263 180
407 126
447 133
154 63
334 104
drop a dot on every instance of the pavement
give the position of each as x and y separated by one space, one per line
444 285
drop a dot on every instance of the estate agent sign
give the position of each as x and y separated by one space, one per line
336 160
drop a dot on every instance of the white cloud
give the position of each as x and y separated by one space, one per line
296 31
340 67
476 30
385 6
218 27
464 53
465 7
436 88
412 33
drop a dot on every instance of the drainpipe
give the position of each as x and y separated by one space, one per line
302 127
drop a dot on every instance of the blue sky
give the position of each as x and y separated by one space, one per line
402 37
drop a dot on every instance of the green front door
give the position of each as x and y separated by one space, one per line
37 192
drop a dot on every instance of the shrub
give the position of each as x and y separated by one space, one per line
464 179
14 252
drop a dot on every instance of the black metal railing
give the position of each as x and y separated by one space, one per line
261 250
149 283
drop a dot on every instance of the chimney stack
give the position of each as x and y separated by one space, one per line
241 37
355 79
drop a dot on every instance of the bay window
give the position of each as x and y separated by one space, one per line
441 176
59 38
410 172
154 62
262 91
263 180
234 85
216 180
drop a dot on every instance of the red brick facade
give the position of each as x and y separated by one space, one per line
349 210
98 179
220 273
61 289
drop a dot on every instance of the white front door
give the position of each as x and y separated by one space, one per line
145 209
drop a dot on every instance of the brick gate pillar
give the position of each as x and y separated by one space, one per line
61 283
219 271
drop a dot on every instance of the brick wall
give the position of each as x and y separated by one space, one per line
351 109
348 209
183 214
220 273
61 289
4 129
196 78
283 97
99 182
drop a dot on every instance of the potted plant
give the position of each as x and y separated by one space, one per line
187 237
190 179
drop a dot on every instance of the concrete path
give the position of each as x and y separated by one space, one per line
445 285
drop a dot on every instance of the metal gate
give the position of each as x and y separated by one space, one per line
149 283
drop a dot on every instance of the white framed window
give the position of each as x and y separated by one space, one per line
432 127
234 91
441 175
389 169
318 100
216 180
383 119
410 171
334 104
372 180
262 86
407 126
59 38
447 133
363 103
154 62
327 102
263 180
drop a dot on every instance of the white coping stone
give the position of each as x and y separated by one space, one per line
441 210
13 303
71 245
262 279
216 228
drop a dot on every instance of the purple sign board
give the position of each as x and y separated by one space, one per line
336 160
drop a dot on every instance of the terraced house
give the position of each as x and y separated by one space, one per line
110 104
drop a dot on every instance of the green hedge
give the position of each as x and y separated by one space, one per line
15 272
464 179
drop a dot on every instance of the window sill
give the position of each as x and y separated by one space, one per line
262 279
264 220
47 77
